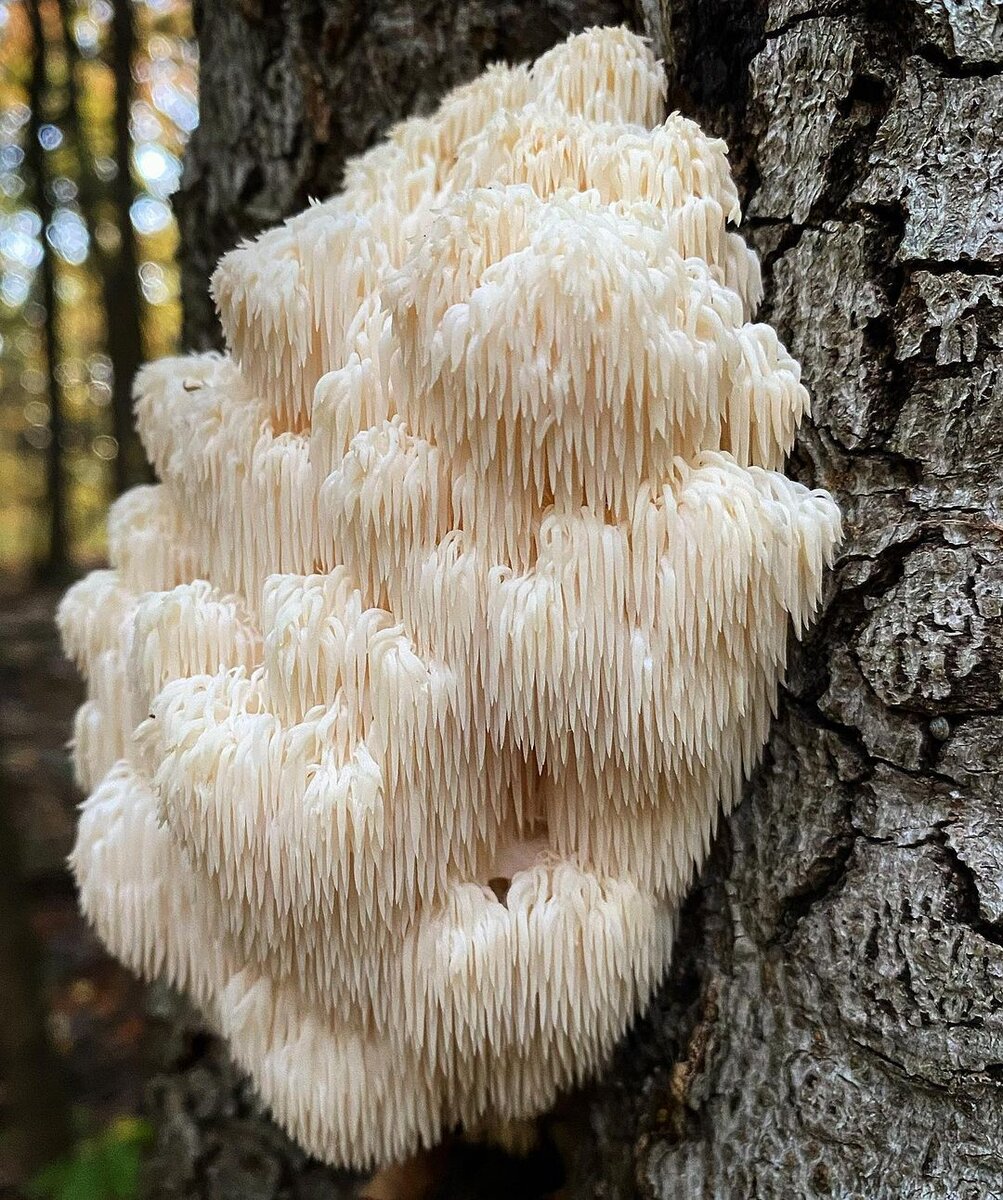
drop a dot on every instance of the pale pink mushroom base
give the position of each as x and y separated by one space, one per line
418 684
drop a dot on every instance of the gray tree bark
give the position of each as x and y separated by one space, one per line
833 1023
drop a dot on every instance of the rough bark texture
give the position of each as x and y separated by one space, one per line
833 1025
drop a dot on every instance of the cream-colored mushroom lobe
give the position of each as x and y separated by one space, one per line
419 682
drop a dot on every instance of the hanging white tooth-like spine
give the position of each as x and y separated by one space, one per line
190 630
419 683
93 616
137 890
603 75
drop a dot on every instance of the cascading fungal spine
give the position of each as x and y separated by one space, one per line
418 684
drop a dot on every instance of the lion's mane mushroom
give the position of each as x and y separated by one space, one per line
419 682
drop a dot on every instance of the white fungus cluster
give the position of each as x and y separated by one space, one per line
419 682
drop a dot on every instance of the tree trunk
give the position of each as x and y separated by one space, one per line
832 1025
38 92
117 270
120 275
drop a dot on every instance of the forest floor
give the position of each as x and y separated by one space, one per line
71 1037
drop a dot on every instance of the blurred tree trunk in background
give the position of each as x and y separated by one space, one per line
120 272
833 1023
117 269
56 563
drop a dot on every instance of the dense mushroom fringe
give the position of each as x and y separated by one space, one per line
419 682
